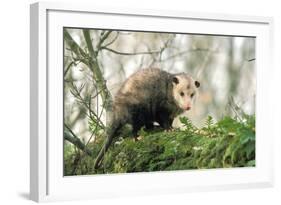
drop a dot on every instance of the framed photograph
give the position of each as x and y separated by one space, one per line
129 102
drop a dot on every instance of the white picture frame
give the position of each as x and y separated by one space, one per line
47 182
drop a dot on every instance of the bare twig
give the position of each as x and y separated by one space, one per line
72 138
74 62
131 53
78 160
234 108
76 92
96 127
67 68
91 62
185 52
103 38
95 68
112 41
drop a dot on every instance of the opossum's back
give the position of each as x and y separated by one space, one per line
145 82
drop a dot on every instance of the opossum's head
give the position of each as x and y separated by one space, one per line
184 90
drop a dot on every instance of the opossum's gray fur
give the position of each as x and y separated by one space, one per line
144 98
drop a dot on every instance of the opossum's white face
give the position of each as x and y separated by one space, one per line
184 90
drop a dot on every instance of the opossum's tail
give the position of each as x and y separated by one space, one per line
103 151
111 134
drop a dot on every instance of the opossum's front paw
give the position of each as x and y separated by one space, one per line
137 138
169 130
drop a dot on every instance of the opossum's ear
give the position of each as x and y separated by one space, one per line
197 84
175 80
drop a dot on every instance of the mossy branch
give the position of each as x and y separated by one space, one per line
227 143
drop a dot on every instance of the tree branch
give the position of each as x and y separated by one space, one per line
88 40
76 93
126 53
113 40
104 37
91 62
72 138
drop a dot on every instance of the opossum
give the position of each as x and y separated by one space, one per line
149 95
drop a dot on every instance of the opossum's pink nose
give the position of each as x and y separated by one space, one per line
187 108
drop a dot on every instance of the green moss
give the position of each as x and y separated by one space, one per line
227 143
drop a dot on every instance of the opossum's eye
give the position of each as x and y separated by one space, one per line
192 95
182 94
197 84
175 80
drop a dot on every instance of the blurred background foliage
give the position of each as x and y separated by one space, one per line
97 62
